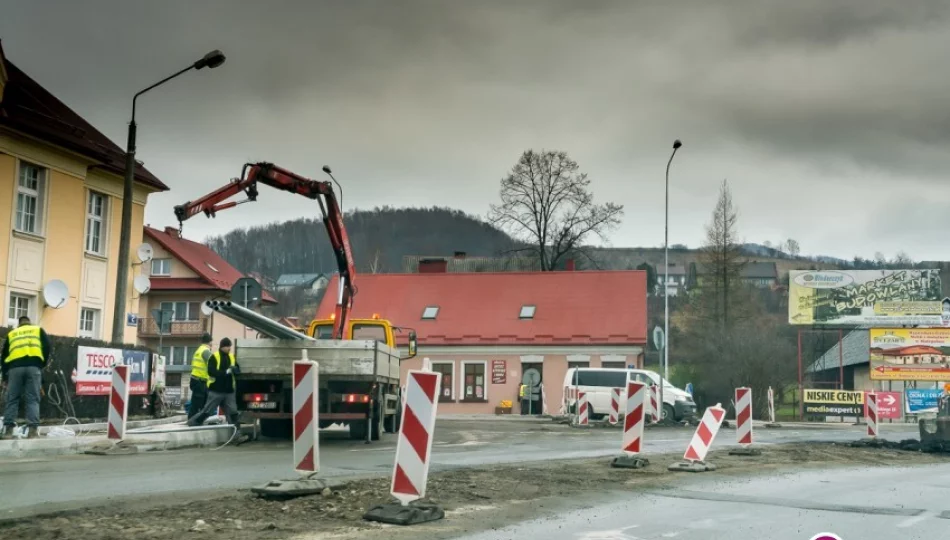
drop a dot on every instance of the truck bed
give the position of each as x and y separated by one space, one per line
365 360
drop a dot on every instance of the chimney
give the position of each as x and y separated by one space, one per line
433 266
172 231
459 254
569 265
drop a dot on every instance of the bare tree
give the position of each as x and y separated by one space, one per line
375 265
792 247
546 202
902 260
722 257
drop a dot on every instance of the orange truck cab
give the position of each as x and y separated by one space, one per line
375 328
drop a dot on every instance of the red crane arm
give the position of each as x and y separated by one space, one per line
282 179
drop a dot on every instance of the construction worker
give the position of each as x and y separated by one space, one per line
199 376
24 357
522 391
222 384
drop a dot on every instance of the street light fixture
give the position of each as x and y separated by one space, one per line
666 278
211 60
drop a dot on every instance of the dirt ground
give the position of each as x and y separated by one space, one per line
474 499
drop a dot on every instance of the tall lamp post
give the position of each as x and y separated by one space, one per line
211 60
666 278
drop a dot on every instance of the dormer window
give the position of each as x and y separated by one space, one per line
430 312
527 312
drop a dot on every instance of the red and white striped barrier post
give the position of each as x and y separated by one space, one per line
614 415
118 402
654 403
743 405
771 397
306 416
870 414
633 423
583 411
416 432
695 456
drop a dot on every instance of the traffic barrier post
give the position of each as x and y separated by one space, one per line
413 452
870 414
306 420
654 403
614 415
771 400
633 423
695 456
743 406
118 403
583 412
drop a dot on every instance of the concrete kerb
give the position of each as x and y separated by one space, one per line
692 466
101 426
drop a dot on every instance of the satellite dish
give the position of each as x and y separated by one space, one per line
206 310
144 252
55 293
141 284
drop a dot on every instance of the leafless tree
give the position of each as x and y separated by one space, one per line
792 247
546 202
722 258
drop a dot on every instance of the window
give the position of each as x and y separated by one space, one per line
601 378
178 355
212 267
430 312
527 312
95 218
473 381
161 267
182 311
89 323
613 364
447 374
29 198
369 331
20 306
324 331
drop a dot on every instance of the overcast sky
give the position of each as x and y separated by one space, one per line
831 120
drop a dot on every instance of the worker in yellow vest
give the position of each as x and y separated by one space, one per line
522 391
24 356
199 376
223 370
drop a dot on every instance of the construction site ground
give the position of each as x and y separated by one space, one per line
485 474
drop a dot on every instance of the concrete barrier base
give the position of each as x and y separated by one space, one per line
629 462
112 448
745 451
692 466
773 425
288 489
397 514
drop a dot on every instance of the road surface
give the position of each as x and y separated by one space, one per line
32 486
854 503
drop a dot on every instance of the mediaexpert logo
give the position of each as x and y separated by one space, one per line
826 536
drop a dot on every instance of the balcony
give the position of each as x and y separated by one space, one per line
149 328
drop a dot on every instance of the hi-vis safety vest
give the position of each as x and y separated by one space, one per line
217 365
199 368
521 390
24 342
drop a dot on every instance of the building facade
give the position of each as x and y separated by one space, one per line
60 212
484 331
183 276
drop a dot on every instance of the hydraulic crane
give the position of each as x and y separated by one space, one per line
322 191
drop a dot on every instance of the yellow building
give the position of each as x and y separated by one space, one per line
60 211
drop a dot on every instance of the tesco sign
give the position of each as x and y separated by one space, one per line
94 370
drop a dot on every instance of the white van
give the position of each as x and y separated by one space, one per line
597 383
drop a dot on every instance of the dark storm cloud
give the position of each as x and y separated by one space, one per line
431 102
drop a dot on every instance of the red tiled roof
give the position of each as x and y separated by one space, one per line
29 108
198 257
912 350
572 308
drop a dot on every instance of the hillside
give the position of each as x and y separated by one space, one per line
379 238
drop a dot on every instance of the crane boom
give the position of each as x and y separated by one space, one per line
276 177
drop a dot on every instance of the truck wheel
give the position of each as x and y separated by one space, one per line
277 428
668 412
358 430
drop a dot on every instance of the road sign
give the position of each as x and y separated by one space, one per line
922 400
889 405
246 292
658 338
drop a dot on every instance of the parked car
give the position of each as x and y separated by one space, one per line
597 383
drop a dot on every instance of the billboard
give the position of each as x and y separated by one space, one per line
94 370
867 298
833 403
910 354
888 405
922 400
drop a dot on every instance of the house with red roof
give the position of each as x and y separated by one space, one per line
61 207
183 274
484 331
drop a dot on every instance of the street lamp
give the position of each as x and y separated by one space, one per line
211 60
666 278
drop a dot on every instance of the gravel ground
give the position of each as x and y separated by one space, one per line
474 499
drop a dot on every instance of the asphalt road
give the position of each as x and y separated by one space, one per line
855 503
30 486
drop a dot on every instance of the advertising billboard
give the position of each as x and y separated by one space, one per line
867 298
833 403
922 400
94 370
910 354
